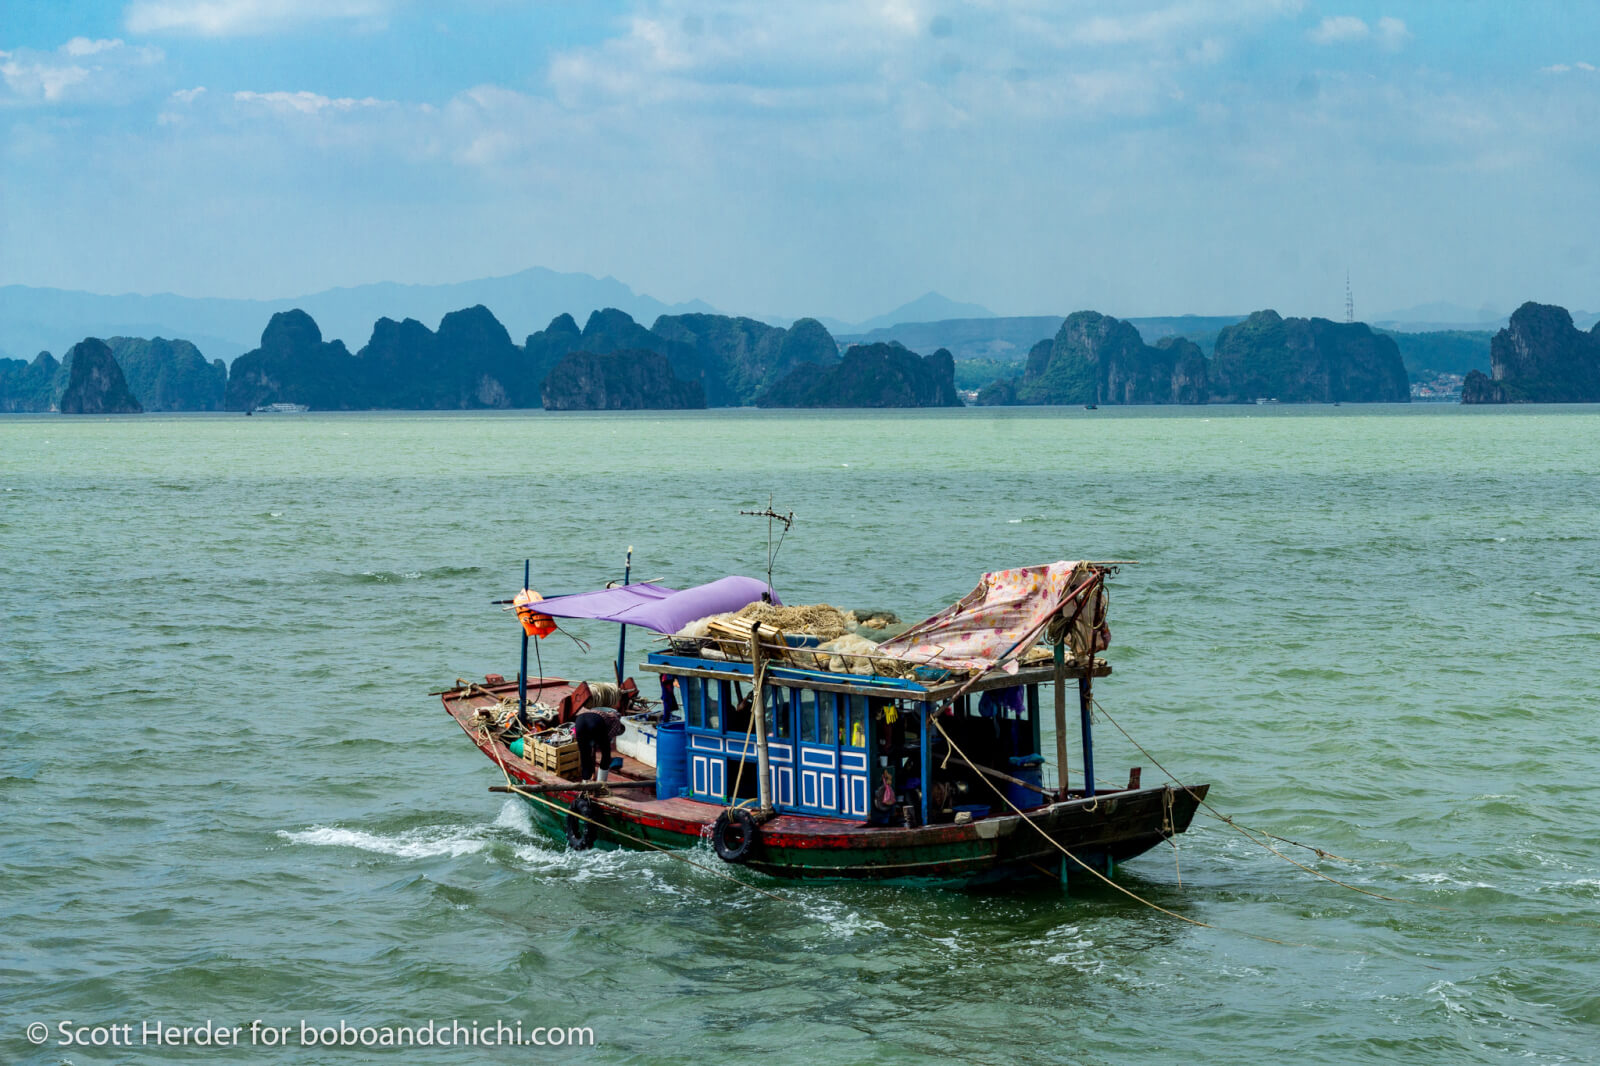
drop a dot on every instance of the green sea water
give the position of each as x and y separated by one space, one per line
227 794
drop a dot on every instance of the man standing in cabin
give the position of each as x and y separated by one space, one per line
595 726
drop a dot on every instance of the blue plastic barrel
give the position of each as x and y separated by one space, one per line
672 760
1027 768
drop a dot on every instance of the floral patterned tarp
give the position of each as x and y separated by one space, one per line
1001 619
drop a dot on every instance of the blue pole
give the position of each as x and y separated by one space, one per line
622 637
927 710
1085 695
522 676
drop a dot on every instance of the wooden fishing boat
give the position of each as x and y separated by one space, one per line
794 790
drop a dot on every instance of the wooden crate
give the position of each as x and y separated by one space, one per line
562 759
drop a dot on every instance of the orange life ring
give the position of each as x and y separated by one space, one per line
533 623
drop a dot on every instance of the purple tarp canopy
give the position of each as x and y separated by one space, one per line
657 607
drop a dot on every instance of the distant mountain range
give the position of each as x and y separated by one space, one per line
37 319
43 319
1008 339
1440 316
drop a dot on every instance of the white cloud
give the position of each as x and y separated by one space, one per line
237 18
1564 68
1339 29
188 96
83 46
80 71
1172 22
306 103
1391 34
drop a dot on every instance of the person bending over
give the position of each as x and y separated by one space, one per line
594 728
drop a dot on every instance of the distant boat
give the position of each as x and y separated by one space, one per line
282 409
1262 400
1091 407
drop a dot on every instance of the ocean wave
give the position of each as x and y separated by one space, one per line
393 577
426 843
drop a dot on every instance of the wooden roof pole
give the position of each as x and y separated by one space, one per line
1063 627
1060 651
1086 690
758 708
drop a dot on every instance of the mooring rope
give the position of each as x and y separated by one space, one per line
1323 853
1125 891
1250 834
738 777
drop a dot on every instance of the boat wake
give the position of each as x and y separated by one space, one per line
426 843
423 842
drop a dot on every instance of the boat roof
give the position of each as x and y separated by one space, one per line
658 608
990 638
933 689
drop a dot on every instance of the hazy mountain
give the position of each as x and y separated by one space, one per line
1010 338
869 375
32 319
929 307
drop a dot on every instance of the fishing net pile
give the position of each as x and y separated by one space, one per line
811 619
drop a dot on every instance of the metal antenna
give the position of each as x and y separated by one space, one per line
1349 300
772 516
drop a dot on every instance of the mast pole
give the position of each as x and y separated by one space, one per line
758 707
1060 653
622 635
1086 692
522 675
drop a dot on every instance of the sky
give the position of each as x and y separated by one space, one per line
825 158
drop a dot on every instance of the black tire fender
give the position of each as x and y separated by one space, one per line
733 835
581 833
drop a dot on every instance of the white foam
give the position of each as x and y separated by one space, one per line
453 841
514 815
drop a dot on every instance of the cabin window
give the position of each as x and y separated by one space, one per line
738 716
808 716
856 721
827 721
693 711
780 722
713 690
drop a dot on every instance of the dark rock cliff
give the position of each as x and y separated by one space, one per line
629 380
871 375
94 383
1300 360
170 375
1191 370
471 362
1097 359
739 358
293 365
1540 357
28 386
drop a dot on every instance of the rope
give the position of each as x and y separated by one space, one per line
738 777
1251 836
1126 892
514 787
1320 852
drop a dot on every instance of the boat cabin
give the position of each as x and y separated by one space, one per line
836 740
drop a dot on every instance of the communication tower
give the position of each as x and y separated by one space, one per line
1349 301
